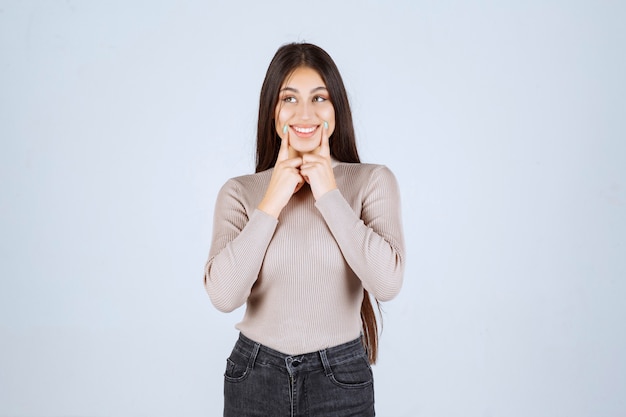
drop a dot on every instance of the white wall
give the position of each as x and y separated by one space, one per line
503 121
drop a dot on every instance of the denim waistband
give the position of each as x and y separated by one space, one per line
322 359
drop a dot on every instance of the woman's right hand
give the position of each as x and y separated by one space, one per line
286 181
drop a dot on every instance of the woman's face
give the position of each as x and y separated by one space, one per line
303 106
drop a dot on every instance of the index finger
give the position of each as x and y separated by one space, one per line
283 152
324 146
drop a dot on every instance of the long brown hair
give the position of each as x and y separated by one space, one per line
342 142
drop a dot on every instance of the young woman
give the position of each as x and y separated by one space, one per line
304 243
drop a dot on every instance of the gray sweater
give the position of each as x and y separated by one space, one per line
302 276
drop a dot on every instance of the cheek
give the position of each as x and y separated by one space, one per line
282 115
328 114
280 119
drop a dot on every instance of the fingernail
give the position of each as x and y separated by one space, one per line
285 129
325 125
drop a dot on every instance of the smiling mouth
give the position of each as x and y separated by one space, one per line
304 130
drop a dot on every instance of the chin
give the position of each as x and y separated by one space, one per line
306 147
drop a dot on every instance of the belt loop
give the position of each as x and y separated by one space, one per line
324 358
255 352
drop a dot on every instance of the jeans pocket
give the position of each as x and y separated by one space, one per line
237 367
354 373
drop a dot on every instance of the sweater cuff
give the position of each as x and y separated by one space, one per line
263 221
334 205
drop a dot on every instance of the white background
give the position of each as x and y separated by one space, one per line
503 122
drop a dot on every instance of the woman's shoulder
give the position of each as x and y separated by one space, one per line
365 178
363 169
252 178
248 184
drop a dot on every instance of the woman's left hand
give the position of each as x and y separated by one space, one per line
316 168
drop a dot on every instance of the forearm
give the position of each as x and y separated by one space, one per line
234 263
374 251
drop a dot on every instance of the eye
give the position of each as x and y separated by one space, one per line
319 99
289 99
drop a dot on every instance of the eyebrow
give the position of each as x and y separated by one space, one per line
295 90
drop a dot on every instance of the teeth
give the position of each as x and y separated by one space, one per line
304 130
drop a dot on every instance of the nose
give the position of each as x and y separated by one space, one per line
305 110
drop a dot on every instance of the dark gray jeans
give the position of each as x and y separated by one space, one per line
261 382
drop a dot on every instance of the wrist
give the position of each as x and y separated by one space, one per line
269 209
323 192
